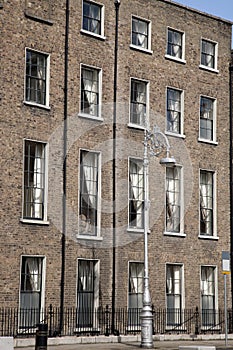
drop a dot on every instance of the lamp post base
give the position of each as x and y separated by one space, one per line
146 327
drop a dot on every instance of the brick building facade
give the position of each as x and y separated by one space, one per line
61 243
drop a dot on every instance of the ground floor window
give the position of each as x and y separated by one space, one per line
31 291
208 296
174 294
136 277
88 293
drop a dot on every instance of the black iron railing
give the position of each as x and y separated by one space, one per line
24 322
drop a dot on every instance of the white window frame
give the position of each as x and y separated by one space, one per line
214 100
181 233
147 85
171 57
215 68
149 25
87 115
214 235
98 228
102 11
182 287
32 103
216 294
96 291
42 306
181 133
134 228
34 220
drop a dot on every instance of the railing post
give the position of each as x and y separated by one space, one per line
153 326
196 321
50 319
107 329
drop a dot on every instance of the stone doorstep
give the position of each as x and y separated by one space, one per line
6 343
196 347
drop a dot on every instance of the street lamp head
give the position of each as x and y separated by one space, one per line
168 161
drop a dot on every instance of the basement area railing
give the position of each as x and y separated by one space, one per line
24 322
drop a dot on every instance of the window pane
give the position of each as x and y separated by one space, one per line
140 33
173 110
136 278
136 194
90 91
208 295
86 293
206 203
206 118
208 54
92 17
174 45
173 294
34 180
30 291
138 102
88 193
36 70
173 199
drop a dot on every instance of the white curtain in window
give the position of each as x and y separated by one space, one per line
90 169
207 278
208 49
38 180
207 108
142 33
169 281
94 13
176 44
172 195
140 29
33 266
136 178
90 83
205 197
173 284
133 280
141 101
174 108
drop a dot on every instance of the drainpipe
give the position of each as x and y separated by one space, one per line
63 239
231 184
117 5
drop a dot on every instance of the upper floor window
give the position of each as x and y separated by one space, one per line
93 18
139 102
34 206
208 54
207 118
136 194
141 33
90 91
175 44
206 203
173 199
37 81
89 193
174 111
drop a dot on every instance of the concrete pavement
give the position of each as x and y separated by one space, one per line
161 345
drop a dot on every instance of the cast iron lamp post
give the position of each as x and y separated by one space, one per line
156 142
